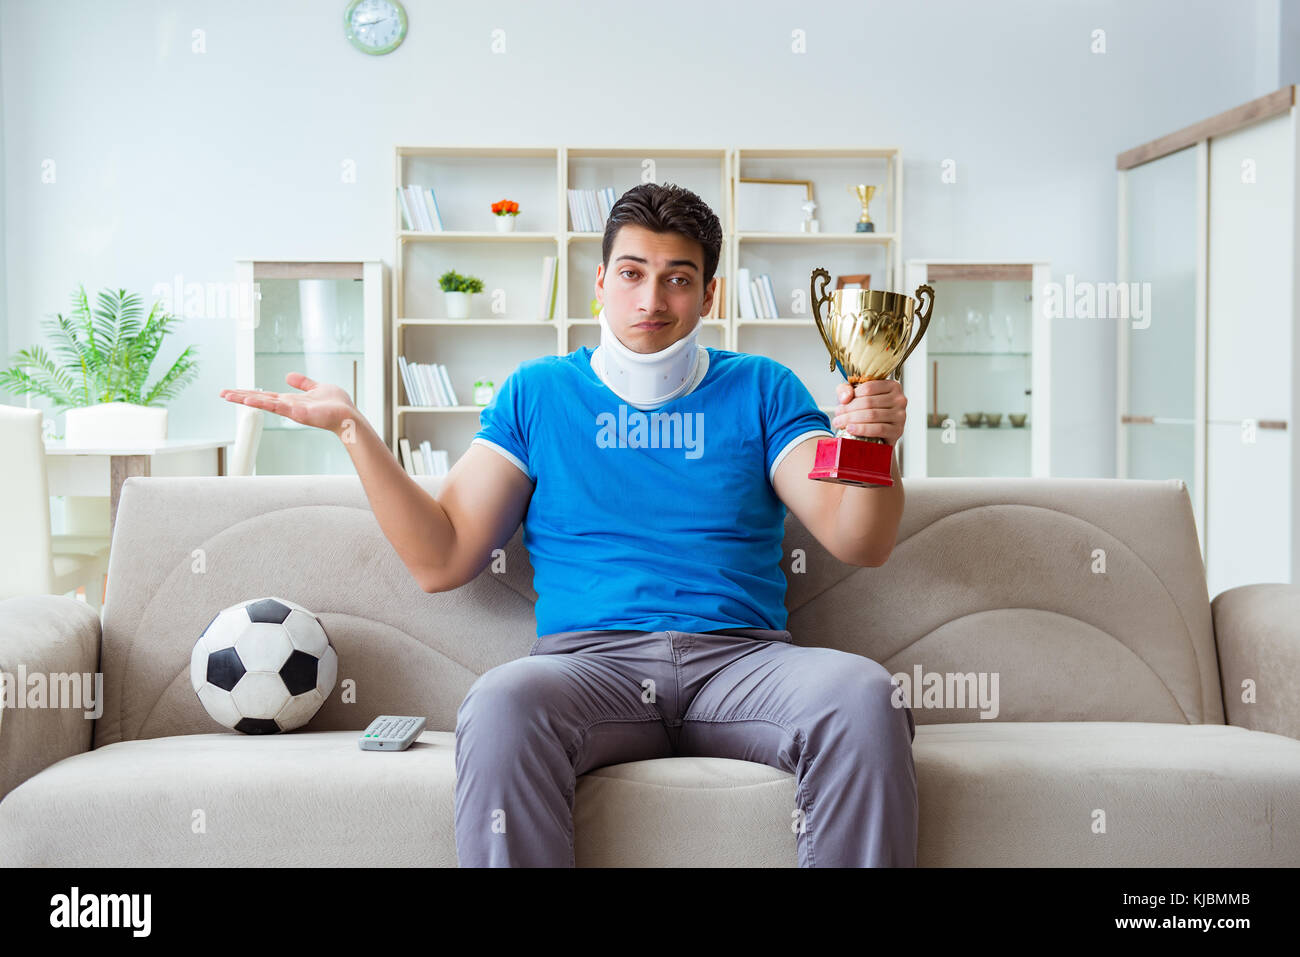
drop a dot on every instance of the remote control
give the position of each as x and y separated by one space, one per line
391 732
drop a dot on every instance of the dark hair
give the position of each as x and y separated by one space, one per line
665 208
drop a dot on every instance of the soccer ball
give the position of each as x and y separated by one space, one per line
263 666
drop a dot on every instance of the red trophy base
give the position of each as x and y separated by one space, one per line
850 461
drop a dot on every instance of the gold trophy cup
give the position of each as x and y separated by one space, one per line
864 194
867 332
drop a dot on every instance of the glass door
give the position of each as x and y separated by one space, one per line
314 326
1158 258
979 380
1250 363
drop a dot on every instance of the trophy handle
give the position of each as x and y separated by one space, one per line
817 300
924 315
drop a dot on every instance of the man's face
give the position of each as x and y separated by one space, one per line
653 293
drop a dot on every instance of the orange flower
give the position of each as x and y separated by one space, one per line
506 207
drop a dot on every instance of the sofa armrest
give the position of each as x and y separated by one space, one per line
1257 633
56 639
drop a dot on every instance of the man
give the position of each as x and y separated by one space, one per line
652 476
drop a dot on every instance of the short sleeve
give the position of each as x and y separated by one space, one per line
502 425
790 413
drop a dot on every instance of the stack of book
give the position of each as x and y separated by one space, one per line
757 298
419 209
426 460
589 208
427 383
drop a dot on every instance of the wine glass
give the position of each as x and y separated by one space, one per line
974 322
277 332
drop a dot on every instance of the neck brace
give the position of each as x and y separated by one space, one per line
646 380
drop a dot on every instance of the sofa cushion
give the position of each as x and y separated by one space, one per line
992 793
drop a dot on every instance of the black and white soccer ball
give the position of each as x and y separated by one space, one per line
263 666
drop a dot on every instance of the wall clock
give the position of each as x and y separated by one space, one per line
375 26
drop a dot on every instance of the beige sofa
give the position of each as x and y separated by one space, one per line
1085 597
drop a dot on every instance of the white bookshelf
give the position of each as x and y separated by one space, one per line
488 344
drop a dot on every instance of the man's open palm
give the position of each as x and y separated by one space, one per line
320 404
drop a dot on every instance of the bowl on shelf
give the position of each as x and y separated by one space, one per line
973 419
994 419
934 420
1017 419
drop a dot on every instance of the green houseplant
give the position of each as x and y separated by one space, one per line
457 289
105 354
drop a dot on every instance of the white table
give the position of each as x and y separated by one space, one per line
81 470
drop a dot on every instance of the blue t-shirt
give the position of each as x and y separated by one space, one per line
653 520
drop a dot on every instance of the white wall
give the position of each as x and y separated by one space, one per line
1288 43
170 161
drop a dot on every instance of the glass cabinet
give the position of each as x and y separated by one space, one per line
976 384
324 320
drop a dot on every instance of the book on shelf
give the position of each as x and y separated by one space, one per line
745 295
427 383
756 297
719 297
448 392
589 208
424 459
550 269
768 297
419 208
405 209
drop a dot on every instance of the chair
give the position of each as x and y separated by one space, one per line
87 517
34 561
248 435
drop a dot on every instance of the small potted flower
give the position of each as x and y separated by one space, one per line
457 289
506 210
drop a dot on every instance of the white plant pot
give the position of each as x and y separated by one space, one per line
457 304
505 224
114 425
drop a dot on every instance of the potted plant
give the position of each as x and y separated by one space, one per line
506 210
458 289
106 353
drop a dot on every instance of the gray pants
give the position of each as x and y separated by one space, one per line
529 728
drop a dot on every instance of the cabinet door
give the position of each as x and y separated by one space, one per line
1249 355
314 326
1160 262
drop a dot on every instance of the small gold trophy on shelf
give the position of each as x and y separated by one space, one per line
864 194
867 332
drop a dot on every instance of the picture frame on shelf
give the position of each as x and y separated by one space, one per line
771 205
858 281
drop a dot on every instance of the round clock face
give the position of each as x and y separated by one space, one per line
375 26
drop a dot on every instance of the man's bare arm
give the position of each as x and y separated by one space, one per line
444 541
486 497
859 526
